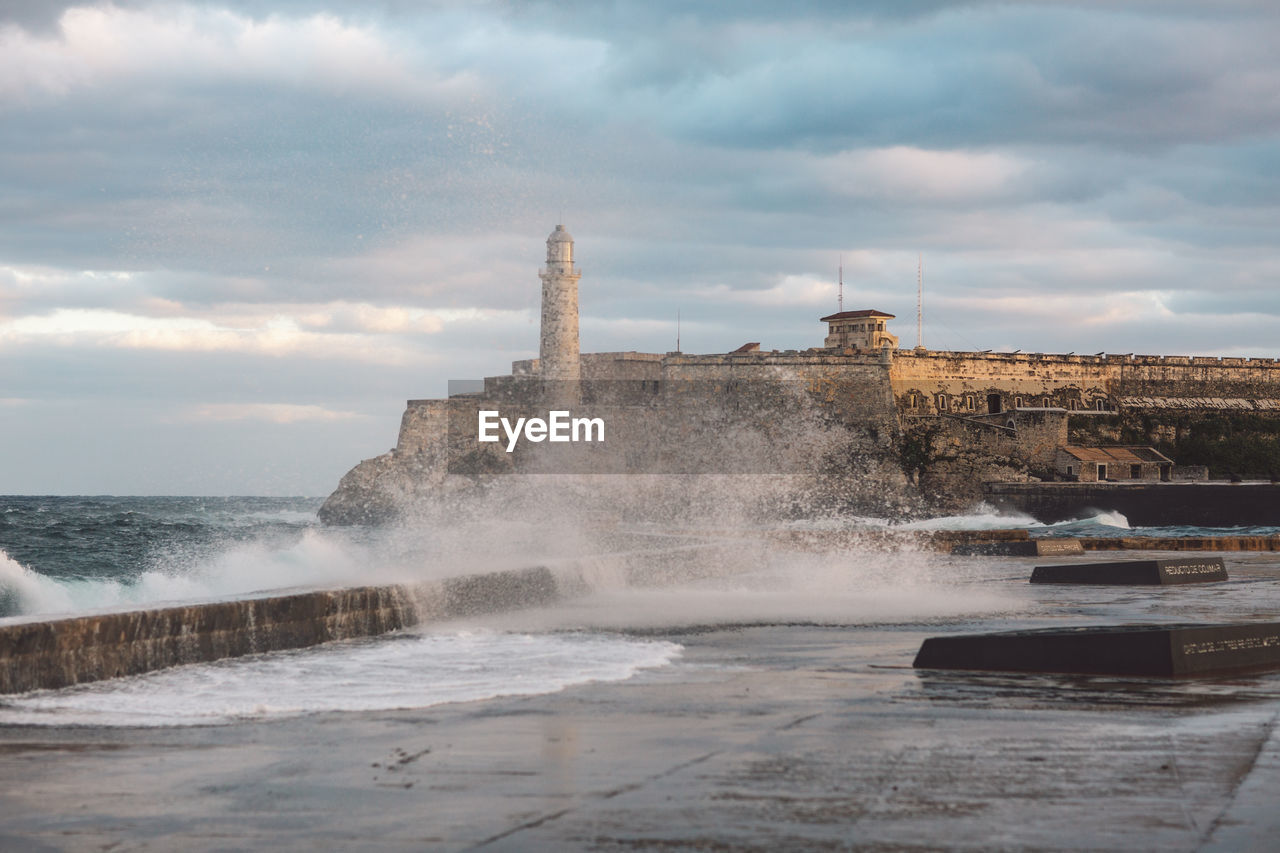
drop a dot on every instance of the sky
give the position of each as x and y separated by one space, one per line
236 236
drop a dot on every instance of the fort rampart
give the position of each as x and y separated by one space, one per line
933 381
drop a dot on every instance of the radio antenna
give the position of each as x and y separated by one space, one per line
919 300
840 298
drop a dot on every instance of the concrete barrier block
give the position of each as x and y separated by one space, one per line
1135 572
1169 651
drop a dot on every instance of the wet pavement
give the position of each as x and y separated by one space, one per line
770 733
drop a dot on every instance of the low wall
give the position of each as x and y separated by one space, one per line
57 653
1183 543
1143 504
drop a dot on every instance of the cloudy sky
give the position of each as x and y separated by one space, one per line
235 236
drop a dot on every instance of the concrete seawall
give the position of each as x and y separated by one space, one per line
1214 504
61 652
1185 543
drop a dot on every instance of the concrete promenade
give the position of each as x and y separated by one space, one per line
769 736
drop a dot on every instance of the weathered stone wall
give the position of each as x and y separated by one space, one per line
421 426
854 388
950 456
89 648
604 365
622 366
1081 381
1039 380
46 654
1030 437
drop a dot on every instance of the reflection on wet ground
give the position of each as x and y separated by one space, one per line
1028 691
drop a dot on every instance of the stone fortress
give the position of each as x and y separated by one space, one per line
945 421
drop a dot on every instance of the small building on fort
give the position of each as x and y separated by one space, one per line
1099 464
859 330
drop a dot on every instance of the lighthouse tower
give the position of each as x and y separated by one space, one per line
558 353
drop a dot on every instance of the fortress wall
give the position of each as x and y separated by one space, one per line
1036 439
1173 376
1063 380
422 426
628 366
950 456
38 655
1034 377
604 365
856 387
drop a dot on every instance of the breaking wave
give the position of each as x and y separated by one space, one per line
315 559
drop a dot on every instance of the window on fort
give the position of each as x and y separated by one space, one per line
1073 405
969 402
942 402
1071 471
1102 471
1135 472
1100 404
1017 402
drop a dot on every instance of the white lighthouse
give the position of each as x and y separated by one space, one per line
558 352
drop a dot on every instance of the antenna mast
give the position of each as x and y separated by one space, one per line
920 300
840 298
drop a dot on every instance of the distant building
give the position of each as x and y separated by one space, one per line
860 330
1095 464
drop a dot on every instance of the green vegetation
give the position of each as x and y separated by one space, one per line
1242 443
1246 445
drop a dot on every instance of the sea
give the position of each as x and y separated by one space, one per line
72 555
63 556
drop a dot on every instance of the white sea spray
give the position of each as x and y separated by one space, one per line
383 674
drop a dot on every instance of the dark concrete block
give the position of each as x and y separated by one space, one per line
1142 650
1135 572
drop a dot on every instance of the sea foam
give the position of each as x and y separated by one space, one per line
399 671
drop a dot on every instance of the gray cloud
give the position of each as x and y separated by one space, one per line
379 181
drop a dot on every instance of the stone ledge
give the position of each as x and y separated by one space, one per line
36 655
